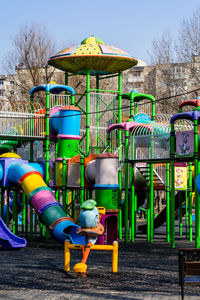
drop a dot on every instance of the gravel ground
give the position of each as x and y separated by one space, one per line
145 272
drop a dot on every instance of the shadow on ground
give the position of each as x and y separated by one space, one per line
143 268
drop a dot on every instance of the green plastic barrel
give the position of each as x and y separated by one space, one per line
51 214
107 198
68 148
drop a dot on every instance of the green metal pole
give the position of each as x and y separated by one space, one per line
152 187
132 186
72 100
190 201
47 142
133 208
172 156
97 114
136 109
66 94
57 191
14 211
153 110
120 225
64 177
32 129
196 172
148 206
151 204
168 202
82 190
132 105
126 206
88 113
120 150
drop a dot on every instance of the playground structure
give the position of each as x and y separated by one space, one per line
88 150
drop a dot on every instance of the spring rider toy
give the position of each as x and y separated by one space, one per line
90 227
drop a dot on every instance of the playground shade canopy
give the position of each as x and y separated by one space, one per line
92 54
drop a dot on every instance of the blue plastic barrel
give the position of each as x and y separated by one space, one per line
70 118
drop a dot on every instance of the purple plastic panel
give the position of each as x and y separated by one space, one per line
6 162
110 224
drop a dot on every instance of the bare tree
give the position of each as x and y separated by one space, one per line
188 47
165 72
188 41
177 64
27 62
162 50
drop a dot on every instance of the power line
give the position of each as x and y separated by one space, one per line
107 110
139 104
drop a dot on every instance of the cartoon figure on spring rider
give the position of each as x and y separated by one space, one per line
90 227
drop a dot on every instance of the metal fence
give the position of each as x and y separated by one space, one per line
59 100
21 124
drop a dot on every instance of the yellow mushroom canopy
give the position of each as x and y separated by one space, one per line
92 54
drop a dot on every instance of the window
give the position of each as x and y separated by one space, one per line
166 72
12 82
1 82
193 83
1 93
11 93
137 74
138 85
182 70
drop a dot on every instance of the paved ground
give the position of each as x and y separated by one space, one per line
145 272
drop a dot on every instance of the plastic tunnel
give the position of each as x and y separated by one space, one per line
41 197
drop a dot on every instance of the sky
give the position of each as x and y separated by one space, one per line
128 24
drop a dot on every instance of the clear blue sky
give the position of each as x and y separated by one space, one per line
127 24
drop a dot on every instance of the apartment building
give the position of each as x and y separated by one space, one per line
160 80
164 80
7 87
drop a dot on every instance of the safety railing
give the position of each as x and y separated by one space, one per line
22 124
153 147
59 100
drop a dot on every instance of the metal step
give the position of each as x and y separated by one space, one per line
145 171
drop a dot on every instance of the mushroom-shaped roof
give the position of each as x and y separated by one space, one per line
92 54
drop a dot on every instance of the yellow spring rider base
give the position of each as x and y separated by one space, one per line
91 234
80 268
